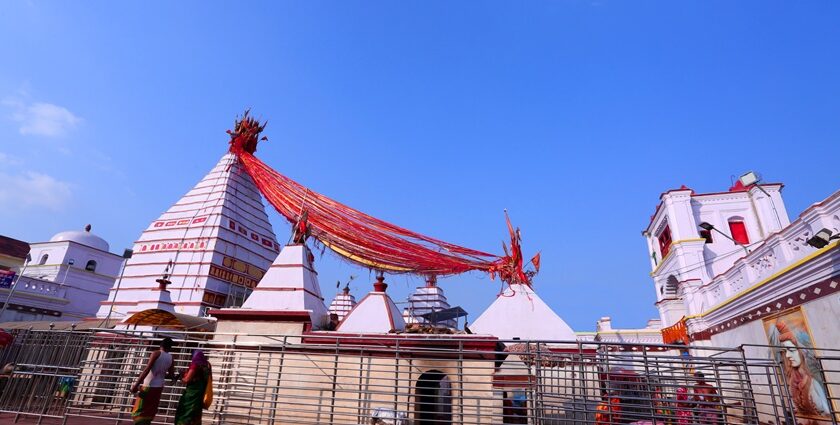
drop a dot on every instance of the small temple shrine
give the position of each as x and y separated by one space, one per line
342 303
375 313
425 302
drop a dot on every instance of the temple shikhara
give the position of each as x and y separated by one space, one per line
747 328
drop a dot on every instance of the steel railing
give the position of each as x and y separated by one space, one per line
416 379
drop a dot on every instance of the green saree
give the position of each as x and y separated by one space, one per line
191 403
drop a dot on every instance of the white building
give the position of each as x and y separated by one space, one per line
712 290
66 279
650 334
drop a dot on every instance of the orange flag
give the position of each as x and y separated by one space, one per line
536 262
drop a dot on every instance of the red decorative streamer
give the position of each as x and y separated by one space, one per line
359 237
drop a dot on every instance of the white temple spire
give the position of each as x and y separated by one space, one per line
427 299
218 239
290 285
342 303
518 312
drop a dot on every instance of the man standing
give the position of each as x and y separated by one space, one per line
152 378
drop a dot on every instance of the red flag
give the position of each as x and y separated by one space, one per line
536 262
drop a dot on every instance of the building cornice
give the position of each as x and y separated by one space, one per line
769 279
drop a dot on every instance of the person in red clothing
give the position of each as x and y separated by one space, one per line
609 411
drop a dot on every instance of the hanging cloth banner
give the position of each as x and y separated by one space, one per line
354 235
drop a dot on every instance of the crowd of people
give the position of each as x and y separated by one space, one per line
698 404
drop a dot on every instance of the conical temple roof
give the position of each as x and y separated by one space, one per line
375 313
518 312
291 284
342 304
216 240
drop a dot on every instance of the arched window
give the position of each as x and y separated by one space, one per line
90 266
738 230
671 286
43 259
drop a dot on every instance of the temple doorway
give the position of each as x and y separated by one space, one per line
433 399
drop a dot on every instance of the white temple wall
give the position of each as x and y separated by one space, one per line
313 387
253 331
683 211
722 253
825 334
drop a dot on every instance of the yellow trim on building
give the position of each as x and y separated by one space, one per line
688 240
672 251
770 278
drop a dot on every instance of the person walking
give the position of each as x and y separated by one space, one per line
149 385
199 391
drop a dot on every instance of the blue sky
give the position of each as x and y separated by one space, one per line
573 115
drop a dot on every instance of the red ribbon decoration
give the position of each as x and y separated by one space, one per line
362 238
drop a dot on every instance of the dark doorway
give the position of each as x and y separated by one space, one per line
433 399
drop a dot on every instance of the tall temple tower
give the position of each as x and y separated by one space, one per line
693 237
213 246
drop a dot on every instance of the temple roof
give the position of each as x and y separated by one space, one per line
518 312
290 284
342 303
427 299
375 313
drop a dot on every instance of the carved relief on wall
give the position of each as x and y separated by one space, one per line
737 284
764 265
800 241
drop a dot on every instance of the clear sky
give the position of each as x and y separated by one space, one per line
573 115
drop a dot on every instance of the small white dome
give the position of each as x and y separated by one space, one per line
84 237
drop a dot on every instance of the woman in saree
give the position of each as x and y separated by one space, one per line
197 378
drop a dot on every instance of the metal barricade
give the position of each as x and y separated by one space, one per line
322 378
40 371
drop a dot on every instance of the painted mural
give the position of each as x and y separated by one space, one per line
789 330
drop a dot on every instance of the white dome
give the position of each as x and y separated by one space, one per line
83 237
